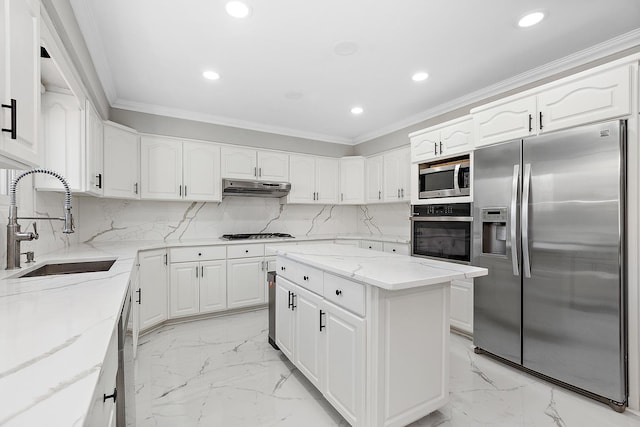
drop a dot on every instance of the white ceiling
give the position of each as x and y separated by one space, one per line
150 55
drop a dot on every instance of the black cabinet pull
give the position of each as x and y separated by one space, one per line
199 253
322 313
435 148
283 268
440 147
14 119
246 251
530 122
165 259
289 300
99 178
338 292
180 190
305 277
139 292
293 301
110 396
540 120
393 250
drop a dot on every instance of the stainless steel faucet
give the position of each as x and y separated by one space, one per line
14 235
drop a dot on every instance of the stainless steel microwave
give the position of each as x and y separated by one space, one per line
451 179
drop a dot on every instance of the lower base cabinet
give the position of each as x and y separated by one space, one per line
462 305
245 282
103 404
197 288
152 293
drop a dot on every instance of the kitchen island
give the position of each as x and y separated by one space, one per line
370 330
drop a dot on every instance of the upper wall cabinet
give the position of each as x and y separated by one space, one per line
396 168
443 140
352 180
245 163
374 178
587 97
121 162
176 170
63 141
313 179
94 134
20 82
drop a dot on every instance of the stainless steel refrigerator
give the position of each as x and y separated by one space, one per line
549 224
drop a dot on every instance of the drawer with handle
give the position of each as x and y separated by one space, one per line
197 253
245 251
303 275
345 293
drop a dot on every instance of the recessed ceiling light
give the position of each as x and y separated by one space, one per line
345 48
237 9
211 75
420 77
530 19
357 110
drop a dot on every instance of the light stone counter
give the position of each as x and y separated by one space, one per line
384 270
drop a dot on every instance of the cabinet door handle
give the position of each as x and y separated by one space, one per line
259 172
135 188
305 277
110 396
540 120
196 272
530 122
342 197
99 178
289 300
246 251
402 192
398 193
440 147
293 301
185 191
338 291
435 148
180 190
379 194
322 313
393 250
255 172
283 268
14 119
165 259
139 292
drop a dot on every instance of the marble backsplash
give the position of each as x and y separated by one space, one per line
390 219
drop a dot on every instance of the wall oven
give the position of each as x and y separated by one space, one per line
442 232
445 179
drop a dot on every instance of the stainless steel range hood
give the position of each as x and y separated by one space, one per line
242 187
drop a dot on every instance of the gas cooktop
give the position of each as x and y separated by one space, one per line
256 236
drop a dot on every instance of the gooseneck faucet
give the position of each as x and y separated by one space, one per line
14 235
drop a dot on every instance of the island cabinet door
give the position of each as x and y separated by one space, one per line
345 363
309 335
284 316
152 295
245 282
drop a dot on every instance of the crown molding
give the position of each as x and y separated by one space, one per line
89 26
582 57
225 121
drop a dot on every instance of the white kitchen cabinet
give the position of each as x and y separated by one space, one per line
183 289
176 170
374 178
201 172
308 355
344 378
590 96
152 292
63 142
285 317
121 162
94 141
198 280
20 83
352 180
396 167
462 305
443 140
371 244
160 168
245 282
247 163
313 179
396 248
102 411
134 322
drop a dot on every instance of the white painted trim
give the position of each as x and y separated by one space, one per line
225 121
593 53
93 39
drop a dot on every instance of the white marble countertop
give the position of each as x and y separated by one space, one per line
55 330
385 270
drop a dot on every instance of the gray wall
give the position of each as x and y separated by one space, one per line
181 128
400 137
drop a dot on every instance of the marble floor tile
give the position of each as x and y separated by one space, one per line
222 372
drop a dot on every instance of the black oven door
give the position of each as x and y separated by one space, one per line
442 238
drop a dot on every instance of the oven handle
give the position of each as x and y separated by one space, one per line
443 219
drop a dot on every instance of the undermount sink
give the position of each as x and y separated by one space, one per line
70 268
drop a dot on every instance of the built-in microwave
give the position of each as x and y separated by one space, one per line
442 232
451 178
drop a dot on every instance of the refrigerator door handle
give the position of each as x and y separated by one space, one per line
512 220
526 188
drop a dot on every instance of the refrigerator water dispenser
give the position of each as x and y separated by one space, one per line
494 231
